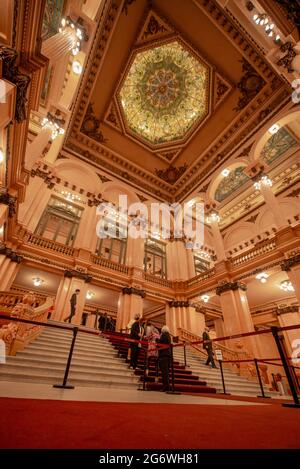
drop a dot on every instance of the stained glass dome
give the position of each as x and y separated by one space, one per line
164 93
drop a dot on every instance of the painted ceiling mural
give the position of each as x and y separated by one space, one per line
278 144
52 17
231 183
164 93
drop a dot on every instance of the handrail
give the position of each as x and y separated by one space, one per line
203 276
160 281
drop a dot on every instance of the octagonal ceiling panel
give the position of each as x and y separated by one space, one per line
165 93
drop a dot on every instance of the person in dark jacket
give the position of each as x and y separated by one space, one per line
207 345
136 333
164 357
73 302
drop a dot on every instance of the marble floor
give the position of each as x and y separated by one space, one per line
46 391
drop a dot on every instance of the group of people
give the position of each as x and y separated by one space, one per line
161 356
105 323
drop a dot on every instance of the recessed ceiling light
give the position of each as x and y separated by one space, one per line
77 67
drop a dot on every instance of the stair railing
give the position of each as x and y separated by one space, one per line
17 335
245 369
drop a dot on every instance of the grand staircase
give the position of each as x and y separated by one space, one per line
234 384
95 362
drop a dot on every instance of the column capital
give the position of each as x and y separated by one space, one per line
12 255
133 291
179 304
10 201
224 287
81 275
290 262
286 309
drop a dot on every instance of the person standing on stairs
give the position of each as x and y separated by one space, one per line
164 357
136 333
207 345
73 302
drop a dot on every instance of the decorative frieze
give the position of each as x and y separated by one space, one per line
133 291
81 275
291 262
224 287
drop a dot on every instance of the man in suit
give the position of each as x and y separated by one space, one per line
73 302
207 345
136 333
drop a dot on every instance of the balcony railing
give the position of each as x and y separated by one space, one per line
263 248
124 269
158 280
45 243
203 276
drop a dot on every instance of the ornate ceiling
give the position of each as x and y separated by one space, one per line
164 94
170 92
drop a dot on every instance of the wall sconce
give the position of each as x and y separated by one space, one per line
262 277
286 285
37 282
89 295
205 298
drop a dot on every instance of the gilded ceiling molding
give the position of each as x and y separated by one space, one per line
10 72
116 171
171 174
280 100
286 309
221 89
10 254
295 193
249 85
292 10
179 304
112 117
133 291
289 54
90 125
81 275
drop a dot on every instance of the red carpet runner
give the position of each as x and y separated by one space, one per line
29 423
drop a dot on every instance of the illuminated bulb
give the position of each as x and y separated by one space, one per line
1 230
1 157
286 285
262 277
63 22
205 298
89 295
76 67
255 17
37 282
274 129
225 172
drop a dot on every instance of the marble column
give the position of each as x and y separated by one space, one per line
218 241
236 315
130 303
68 284
181 314
9 267
36 148
87 229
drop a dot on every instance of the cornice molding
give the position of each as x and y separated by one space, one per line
179 304
287 264
10 254
77 274
286 309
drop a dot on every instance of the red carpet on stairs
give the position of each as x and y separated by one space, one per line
30 423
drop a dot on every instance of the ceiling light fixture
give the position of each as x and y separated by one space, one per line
262 277
286 285
77 67
37 282
225 172
89 295
213 216
274 129
205 298
264 180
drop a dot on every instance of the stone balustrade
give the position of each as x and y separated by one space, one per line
110 264
262 248
157 280
203 276
44 243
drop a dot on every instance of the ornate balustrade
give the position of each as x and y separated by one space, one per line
18 335
246 369
110 264
260 249
45 243
203 276
158 280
